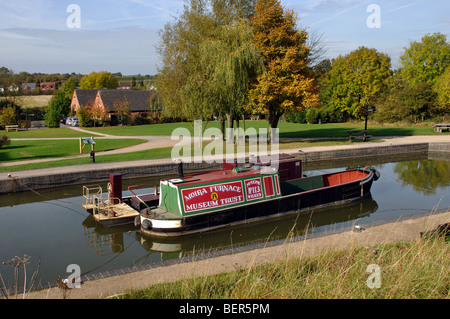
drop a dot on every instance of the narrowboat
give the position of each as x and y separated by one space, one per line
247 193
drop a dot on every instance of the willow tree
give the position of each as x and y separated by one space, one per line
286 85
182 74
187 80
233 62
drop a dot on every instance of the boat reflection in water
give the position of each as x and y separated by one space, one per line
260 232
105 240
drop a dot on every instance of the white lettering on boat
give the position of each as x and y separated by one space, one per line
212 196
195 193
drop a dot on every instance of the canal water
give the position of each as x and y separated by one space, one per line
51 227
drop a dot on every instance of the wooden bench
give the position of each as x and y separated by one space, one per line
9 128
16 128
364 132
441 127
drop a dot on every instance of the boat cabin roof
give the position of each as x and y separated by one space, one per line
223 175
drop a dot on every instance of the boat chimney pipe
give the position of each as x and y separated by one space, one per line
180 169
115 190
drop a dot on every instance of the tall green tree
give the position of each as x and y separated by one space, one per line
58 105
68 87
9 112
404 101
426 60
99 80
232 63
442 89
179 53
286 84
354 79
8 116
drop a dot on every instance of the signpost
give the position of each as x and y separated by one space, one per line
88 141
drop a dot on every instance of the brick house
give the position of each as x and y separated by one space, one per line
82 98
28 87
107 100
48 86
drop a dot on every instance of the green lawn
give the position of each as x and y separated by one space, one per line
285 129
156 153
142 130
24 150
35 149
141 155
340 130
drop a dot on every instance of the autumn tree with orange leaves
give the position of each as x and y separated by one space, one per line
286 84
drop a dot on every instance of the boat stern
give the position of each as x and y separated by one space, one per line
158 222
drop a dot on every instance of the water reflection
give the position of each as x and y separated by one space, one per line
105 240
109 240
425 175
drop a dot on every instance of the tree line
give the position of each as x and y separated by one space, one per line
231 58
228 59
417 91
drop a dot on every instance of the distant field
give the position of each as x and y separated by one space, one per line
28 101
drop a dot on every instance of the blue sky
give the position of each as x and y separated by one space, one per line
120 36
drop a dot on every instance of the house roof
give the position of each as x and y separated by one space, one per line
139 100
124 85
84 96
29 85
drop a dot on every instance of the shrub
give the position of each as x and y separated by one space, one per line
4 140
296 117
9 116
312 116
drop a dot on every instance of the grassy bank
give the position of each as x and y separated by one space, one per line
329 134
415 270
40 151
48 149
285 129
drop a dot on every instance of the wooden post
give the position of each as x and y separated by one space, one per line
81 148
